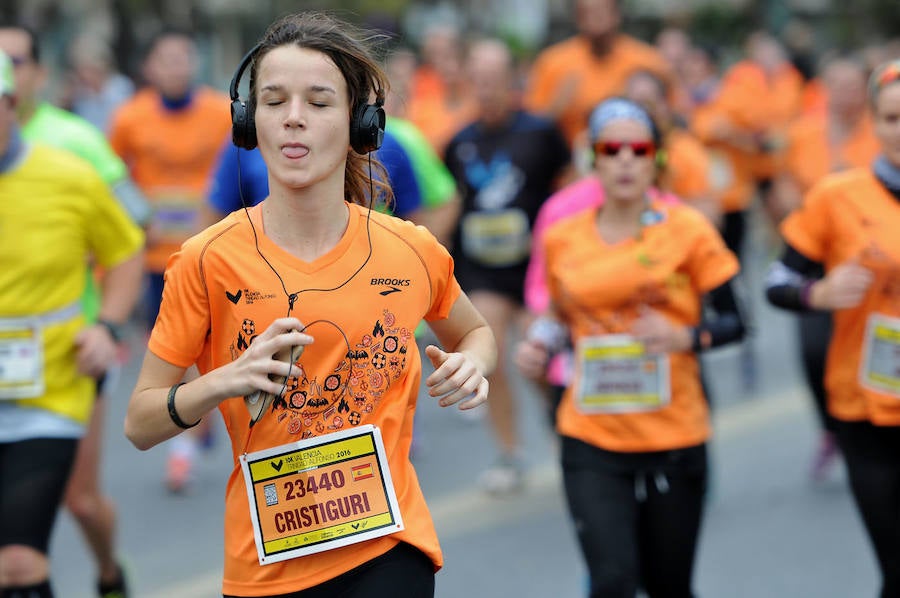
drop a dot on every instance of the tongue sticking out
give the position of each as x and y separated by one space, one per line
294 152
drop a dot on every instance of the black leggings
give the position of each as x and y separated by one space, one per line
815 333
33 477
637 517
872 455
734 228
404 570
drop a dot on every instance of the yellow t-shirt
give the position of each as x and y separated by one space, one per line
55 212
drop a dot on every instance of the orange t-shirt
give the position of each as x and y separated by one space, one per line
730 168
570 62
752 103
219 294
599 289
687 166
809 155
171 154
850 215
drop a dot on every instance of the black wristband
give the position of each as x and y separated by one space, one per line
116 331
176 419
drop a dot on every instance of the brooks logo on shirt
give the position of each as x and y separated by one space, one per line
392 283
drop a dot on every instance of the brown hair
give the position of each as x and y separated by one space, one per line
348 48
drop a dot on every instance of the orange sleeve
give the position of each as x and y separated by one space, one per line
445 289
710 263
707 119
184 321
807 229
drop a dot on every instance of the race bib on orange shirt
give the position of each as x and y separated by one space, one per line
497 238
21 359
617 375
320 493
175 217
880 365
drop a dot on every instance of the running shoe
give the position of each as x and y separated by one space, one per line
117 589
179 473
505 476
825 458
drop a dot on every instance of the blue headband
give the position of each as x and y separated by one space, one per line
617 109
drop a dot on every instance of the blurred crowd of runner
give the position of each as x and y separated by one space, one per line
595 198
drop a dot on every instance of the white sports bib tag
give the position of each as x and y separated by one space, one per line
616 375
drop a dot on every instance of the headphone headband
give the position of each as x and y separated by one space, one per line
366 122
236 79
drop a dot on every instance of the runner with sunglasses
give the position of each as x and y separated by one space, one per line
632 281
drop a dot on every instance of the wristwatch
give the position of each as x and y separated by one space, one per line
116 331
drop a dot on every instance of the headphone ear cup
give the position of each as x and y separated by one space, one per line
367 128
243 125
662 159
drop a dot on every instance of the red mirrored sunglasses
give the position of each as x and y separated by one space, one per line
612 148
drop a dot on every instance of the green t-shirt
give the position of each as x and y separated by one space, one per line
61 129
435 181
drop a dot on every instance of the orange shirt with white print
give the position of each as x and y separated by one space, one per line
170 155
810 155
687 170
570 67
363 368
846 216
600 288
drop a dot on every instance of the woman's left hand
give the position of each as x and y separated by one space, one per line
456 378
658 334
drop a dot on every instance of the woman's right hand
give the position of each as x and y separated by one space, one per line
844 287
250 372
531 358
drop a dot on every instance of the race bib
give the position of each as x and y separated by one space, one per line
497 238
21 359
616 375
880 366
175 218
321 493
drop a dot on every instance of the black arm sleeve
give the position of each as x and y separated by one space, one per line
725 324
789 278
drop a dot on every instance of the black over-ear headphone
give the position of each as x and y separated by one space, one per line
366 124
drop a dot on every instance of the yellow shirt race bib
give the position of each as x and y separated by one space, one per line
21 359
